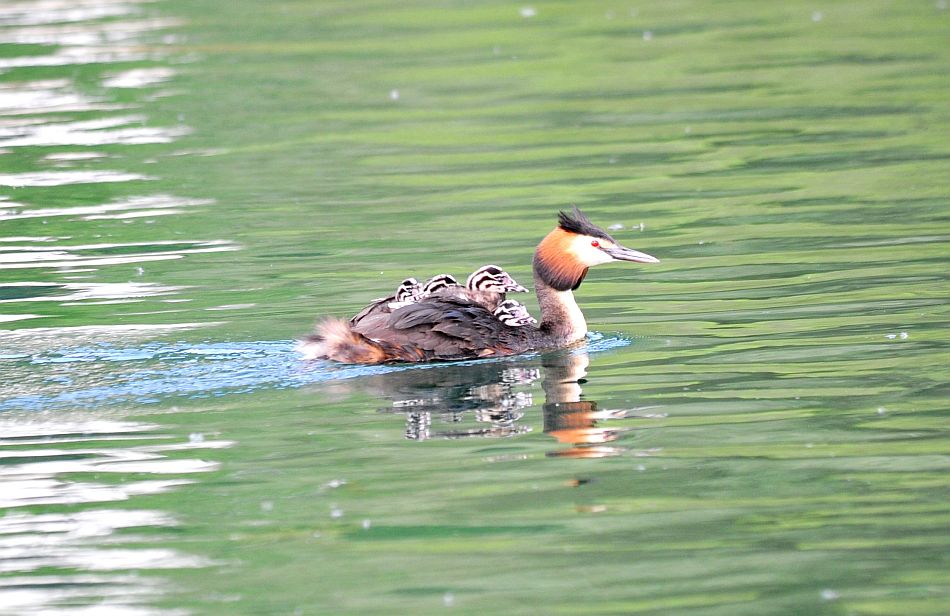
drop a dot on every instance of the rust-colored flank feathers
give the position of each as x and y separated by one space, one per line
454 325
335 339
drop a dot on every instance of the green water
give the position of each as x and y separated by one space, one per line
758 426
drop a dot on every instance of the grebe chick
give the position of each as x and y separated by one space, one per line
485 286
453 328
513 313
439 282
408 291
492 278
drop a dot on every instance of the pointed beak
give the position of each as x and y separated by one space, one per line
517 288
622 253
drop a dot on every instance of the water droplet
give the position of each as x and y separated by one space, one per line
267 505
881 410
528 11
394 94
336 513
903 335
196 437
448 599
829 595
367 524
816 16
647 35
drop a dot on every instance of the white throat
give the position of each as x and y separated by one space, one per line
574 323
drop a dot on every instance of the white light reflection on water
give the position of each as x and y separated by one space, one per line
72 56
40 456
74 256
112 594
38 113
77 291
62 178
65 158
136 206
66 542
35 12
139 77
43 96
88 34
126 130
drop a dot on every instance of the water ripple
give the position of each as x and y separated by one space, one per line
128 130
107 374
69 539
61 11
42 96
38 457
140 77
129 207
89 255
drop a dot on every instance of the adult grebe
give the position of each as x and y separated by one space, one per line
446 327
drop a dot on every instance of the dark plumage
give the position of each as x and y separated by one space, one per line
451 326
576 222
433 330
485 286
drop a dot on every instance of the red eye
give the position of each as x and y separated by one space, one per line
595 244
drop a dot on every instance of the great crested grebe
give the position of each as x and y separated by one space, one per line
446 326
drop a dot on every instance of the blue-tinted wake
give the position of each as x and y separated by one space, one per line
108 374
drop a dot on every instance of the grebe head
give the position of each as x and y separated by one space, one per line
493 278
513 313
439 282
565 254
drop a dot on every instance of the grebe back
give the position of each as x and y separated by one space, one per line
446 326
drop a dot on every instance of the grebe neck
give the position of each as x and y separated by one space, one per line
562 321
556 274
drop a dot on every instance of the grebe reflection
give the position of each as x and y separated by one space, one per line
489 399
568 418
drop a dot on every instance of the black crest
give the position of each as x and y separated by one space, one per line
577 222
